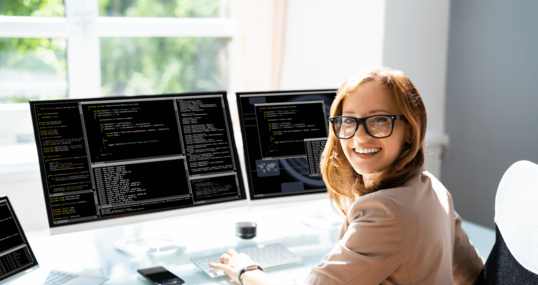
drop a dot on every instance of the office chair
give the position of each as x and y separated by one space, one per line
514 257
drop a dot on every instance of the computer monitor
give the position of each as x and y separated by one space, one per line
136 158
16 256
284 134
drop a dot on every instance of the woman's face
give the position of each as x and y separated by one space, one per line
371 99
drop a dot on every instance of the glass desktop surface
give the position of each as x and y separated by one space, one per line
92 252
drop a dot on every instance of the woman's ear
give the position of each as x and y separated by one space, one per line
409 135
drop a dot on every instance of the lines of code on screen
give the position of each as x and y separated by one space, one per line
215 187
63 148
14 260
205 135
314 149
10 235
65 207
282 127
128 183
120 131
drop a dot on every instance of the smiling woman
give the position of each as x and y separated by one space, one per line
400 226
399 155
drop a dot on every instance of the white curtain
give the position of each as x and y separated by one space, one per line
259 44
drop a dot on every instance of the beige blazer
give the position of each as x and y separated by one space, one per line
404 235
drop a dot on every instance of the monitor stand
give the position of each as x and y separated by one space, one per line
323 217
139 244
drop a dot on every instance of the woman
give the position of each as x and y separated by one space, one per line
400 226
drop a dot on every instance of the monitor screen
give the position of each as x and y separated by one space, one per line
16 255
284 134
112 157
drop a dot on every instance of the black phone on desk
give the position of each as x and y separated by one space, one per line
160 276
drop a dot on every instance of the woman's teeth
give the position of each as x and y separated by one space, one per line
367 150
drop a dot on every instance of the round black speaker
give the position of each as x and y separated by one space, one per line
245 230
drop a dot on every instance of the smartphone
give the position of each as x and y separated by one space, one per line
160 276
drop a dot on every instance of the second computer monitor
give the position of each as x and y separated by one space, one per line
284 134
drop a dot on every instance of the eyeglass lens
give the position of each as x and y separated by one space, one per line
379 126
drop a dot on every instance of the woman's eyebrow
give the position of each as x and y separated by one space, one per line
371 112
378 111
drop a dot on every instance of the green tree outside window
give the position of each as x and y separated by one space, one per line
128 65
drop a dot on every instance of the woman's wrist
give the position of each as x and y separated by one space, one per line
249 276
247 269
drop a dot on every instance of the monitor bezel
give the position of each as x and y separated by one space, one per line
288 198
35 264
149 214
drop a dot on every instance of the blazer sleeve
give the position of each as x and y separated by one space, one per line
467 262
370 250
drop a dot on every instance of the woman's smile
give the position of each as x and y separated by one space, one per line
366 152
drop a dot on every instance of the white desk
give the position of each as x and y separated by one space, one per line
93 252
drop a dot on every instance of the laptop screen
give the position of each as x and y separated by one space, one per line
15 253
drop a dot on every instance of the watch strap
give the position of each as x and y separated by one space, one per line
247 268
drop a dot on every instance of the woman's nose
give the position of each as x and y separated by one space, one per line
361 134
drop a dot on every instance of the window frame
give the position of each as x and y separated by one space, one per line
82 28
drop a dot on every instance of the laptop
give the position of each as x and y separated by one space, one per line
18 259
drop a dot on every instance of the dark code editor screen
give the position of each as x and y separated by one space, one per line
112 157
275 127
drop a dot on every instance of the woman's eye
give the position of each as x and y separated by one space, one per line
381 120
349 121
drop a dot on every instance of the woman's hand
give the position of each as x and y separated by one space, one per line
232 262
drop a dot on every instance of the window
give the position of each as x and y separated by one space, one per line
157 65
163 8
90 48
32 68
36 8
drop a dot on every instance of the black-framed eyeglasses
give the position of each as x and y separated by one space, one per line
377 126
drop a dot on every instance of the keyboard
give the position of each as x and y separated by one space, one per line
57 277
267 256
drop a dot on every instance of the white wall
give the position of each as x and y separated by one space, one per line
416 42
492 100
20 179
328 40
25 192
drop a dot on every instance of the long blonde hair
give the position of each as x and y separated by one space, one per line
343 183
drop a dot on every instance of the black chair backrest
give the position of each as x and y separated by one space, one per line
503 269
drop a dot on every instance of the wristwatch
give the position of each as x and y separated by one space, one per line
248 268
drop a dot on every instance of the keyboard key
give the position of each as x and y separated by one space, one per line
58 278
